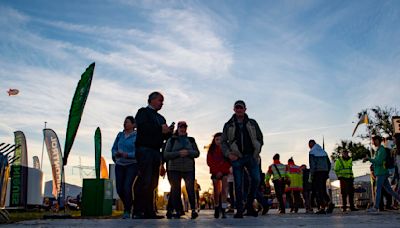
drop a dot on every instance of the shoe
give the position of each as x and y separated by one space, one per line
255 205
353 209
169 214
265 210
223 213
330 208
372 210
216 212
194 215
309 211
238 215
320 212
344 209
282 212
126 215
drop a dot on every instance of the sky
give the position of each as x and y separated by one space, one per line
304 68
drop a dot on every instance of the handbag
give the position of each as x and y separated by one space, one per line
284 180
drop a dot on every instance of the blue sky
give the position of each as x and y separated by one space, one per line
304 68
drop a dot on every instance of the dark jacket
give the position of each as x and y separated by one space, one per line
232 143
149 130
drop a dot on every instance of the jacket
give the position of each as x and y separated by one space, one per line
218 162
319 160
344 168
174 160
272 171
149 130
378 161
229 141
126 145
296 178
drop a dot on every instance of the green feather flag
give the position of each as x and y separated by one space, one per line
97 151
76 111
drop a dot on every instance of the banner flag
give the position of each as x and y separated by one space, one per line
97 151
363 120
36 162
76 110
54 152
19 172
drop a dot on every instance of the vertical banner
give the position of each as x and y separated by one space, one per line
97 151
19 172
54 152
22 150
103 169
76 110
36 162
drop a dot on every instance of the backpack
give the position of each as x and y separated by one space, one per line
389 159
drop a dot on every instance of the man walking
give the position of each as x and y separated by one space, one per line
319 173
344 172
152 130
242 140
280 177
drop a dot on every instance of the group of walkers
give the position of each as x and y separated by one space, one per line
141 156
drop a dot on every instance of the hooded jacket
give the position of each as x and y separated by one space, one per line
319 160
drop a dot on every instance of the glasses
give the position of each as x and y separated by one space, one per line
239 107
182 126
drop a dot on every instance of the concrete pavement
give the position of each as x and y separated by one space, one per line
206 219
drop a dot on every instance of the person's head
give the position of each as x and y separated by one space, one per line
290 161
389 143
215 142
182 128
303 166
129 123
345 154
377 140
311 143
156 100
239 108
276 157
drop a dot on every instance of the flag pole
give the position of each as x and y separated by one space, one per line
41 161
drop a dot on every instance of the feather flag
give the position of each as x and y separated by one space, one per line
76 111
363 120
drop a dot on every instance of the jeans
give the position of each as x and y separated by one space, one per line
149 161
294 199
175 178
383 182
231 194
319 187
253 169
125 175
279 191
347 189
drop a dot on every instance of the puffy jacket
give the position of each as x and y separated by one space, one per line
319 160
229 141
296 178
344 168
175 161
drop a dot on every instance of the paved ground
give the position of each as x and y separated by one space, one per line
272 219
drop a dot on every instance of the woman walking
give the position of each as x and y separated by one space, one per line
219 169
123 154
180 153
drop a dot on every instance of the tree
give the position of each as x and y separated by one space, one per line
358 150
380 121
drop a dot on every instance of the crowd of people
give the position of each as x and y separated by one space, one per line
148 148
